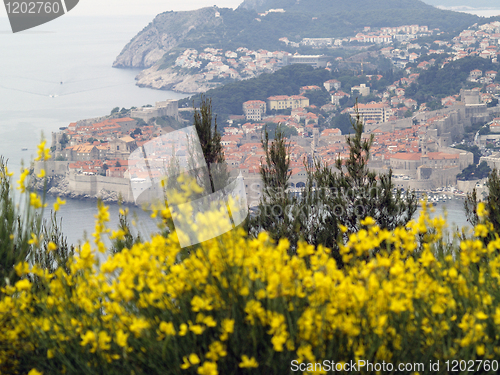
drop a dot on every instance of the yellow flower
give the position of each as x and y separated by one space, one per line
51 246
23 285
121 338
216 350
227 328
41 174
43 153
104 340
208 368
193 360
138 325
22 268
22 180
196 329
88 338
167 328
368 221
183 329
35 372
481 209
59 202
35 201
481 230
248 362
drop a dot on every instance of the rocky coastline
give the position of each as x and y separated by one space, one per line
58 186
170 79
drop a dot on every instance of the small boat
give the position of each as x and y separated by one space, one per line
24 149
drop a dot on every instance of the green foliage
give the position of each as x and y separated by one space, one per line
137 131
272 213
437 82
64 141
24 236
493 103
330 199
140 122
474 149
115 110
14 230
228 99
343 122
355 192
210 141
336 16
128 239
51 260
475 172
318 97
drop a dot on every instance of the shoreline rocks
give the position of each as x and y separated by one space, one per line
58 186
170 79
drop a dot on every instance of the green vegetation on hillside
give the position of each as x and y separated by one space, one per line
312 18
474 149
437 82
228 99
475 172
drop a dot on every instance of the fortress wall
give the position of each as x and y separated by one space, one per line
92 185
52 168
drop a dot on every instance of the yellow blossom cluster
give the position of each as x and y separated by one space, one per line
243 305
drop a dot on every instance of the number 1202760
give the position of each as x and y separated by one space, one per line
33 7
473 366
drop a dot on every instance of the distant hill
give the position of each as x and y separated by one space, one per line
332 6
375 13
469 3
171 32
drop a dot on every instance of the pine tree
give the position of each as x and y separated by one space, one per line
211 146
356 192
273 213
331 198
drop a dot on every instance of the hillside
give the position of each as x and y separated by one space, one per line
164 33
229 98
332 6
230 29
468 3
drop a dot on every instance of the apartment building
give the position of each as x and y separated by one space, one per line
279 102
378 112
254 109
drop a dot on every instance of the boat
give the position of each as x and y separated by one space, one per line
24 149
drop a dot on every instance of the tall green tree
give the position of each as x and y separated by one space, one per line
357 192
205 124
343 194
273 213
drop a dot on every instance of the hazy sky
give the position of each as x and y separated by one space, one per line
146 7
